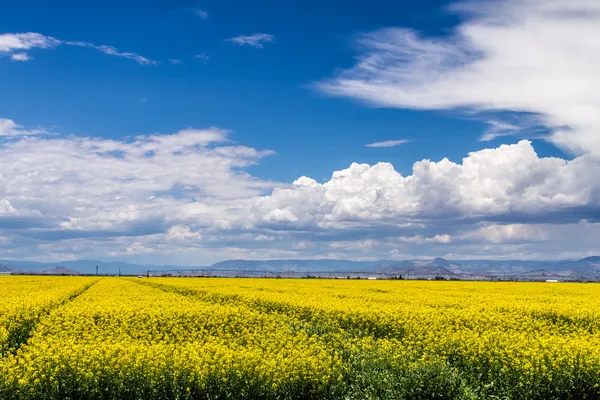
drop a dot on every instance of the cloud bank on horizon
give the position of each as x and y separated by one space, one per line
191 194
187 192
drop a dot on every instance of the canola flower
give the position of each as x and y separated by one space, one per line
24 299
520 338
140 342
182 338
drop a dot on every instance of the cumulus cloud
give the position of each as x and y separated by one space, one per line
14 44
181 232
388 143
6 208
507 182
531 56
189 194
125 186
509 233
257 40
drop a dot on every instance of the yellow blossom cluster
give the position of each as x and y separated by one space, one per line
23 299
130 337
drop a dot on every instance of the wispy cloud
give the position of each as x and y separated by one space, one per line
201 13
530 126
257 40
112 51
175 61
15 43
205 58
497 129
20 57
9 128
531 56
388 143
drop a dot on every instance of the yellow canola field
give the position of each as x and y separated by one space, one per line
23 299
176 338
513 334
141 341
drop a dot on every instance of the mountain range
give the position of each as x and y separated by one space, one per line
586 268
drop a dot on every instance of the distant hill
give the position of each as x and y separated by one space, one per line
51 271
537 272
82 267
296 265
429 270
59 271
588 267
592 259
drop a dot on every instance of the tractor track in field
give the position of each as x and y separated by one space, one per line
24 330
326 326
331 329
311 320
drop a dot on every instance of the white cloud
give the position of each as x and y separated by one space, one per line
280 215
121 185
200 13
419 239
6 208
20 57
203 57
10 42
506 182
175 61
497 129
139 248
302 245
263 238
511 233
388 143
112 51
532 56
189 194
180 232
353 245
15 43
8 127
257 40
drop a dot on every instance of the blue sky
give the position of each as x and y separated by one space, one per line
304 87
263 95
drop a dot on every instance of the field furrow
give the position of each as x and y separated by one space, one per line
127 338
27 299
122 340
511 341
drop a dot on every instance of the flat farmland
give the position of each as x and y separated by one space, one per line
211 338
